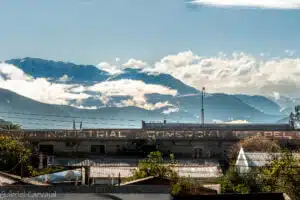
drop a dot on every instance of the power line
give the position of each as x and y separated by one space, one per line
63 121
67 116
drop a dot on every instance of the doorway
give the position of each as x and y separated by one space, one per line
197 153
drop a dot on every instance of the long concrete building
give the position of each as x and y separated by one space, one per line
184 140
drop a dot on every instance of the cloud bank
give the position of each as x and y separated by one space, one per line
42 90
239 73
266 4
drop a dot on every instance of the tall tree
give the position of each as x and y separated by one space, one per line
282 175
254 144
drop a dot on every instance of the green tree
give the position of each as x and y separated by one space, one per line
154 165
233 182
253 144
14 154
282 175
10 126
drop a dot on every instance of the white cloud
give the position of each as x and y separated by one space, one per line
276 95
135 64
238 122
64 78
238 73
170 110
133 88
143 104
40 89
230 122
267 4
112 69
128 87
85 107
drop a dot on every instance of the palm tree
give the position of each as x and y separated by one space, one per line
11 126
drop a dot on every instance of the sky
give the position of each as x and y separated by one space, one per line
230 46
92 31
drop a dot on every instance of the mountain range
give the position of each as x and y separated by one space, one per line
112 112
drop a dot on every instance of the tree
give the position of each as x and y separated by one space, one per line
254 144
154 165
233 182
11 126
281 175
13 155
297 109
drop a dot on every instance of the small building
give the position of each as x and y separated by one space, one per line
248 160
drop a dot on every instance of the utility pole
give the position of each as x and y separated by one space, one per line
202 108
80 125
74 126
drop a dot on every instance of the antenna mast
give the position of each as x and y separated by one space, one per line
202 108
74 126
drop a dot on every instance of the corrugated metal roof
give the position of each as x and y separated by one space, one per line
199 172
126 162
258 159
193 172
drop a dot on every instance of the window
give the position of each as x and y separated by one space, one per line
98 149
46 148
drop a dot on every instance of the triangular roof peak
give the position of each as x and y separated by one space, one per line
242 159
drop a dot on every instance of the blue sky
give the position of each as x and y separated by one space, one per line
91 31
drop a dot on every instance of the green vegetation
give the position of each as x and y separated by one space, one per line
15 159
13 155
8 125
280 175
154 165
254 144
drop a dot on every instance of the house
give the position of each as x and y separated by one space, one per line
247 160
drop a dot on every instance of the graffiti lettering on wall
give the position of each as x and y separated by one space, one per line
270 134
152 134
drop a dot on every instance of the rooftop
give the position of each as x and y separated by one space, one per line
165 125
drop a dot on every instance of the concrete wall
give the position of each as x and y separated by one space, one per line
181 148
